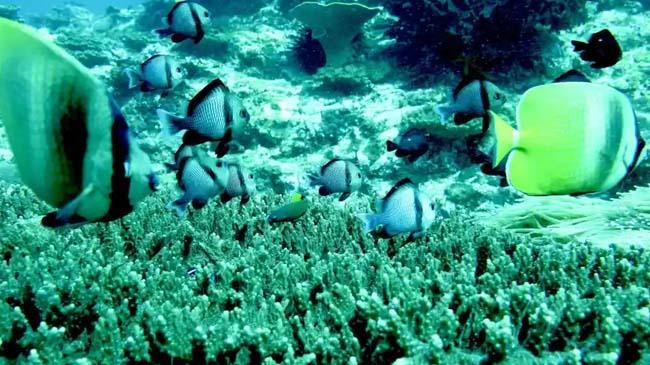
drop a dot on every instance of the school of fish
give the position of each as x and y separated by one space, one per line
571 137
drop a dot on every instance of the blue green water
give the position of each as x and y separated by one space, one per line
497 277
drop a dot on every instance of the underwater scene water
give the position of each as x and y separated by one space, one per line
298 182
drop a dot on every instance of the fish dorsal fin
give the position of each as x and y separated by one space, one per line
470 74
328 164
463 82
151 58
572 75
170 15
181 166
402 184
215 84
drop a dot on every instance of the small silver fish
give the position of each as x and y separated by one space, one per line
158 72
201 178
404 210
213 114
337 176
240 184
186 20
471 99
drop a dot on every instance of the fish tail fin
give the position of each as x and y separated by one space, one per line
179 207
314 180
164 32
134 77
505 136
445 112
170 124
371 221
579 46
391 146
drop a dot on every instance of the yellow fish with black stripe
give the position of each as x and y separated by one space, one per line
571 138
70 141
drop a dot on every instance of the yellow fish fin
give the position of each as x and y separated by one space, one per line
504 135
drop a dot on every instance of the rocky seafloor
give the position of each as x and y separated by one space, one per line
547 289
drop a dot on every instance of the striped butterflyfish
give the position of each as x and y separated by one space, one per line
571 138
70 141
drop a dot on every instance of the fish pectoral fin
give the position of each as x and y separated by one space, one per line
462 118
344 196
199 203
67 214
222 148
244 199
145 86
127 169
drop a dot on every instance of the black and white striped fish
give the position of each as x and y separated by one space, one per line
240 183
71 143
186 20
404 210
214 114
158 72
201 178
471 98
337 176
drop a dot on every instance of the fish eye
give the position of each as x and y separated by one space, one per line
219 163
243 114
250 176
206 14
358 174
178 69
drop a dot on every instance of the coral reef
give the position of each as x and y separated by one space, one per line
224 286
10 12
496 35
620 221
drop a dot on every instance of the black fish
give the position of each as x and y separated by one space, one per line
309 52
602 49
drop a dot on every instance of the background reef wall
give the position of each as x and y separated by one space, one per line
494 34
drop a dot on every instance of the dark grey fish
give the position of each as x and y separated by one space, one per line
214 115
186 20
411 145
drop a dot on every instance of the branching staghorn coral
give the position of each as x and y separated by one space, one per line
623 220
222 286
